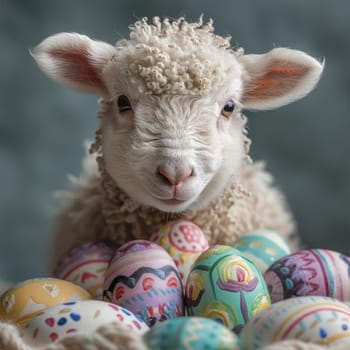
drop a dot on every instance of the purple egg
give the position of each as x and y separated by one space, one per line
317 272
143 278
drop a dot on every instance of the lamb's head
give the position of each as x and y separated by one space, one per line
172 132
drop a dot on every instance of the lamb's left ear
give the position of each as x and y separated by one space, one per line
75 60
278 77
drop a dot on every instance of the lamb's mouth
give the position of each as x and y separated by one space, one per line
173 201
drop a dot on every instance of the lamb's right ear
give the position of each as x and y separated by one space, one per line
74 60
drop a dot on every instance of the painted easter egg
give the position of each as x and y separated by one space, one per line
310 272
143 278
78 317
226 286
184 241
191 333
86 266
27 299
263 247
314 319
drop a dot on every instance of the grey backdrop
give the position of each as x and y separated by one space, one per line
43 125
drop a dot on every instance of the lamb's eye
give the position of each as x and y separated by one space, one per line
228 109
124 104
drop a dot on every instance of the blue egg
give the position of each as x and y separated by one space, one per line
263 247
185 333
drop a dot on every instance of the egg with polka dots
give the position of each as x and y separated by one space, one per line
185 333
78 317
184 241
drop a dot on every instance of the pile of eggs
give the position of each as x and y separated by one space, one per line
176 289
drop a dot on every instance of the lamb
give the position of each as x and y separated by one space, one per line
172 141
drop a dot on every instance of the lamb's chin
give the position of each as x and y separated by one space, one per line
172 206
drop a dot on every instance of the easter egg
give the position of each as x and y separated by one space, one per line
263 247
226 286
143 278
314 319
27 299
191 333
78 317
86 266
319 272
184 241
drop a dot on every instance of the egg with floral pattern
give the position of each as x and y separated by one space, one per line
226 286
143 278
320 272
184 241
78 317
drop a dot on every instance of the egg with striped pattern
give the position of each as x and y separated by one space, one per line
263 247
312 319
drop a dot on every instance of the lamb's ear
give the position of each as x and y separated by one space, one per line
74 60
278 77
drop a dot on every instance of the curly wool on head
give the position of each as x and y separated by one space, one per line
176 58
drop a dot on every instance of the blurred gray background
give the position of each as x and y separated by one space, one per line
43 125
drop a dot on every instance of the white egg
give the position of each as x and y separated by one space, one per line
80 316
313 319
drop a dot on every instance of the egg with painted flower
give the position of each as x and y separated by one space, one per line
184 241
226 286
143 278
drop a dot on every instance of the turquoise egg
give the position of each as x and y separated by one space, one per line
226 286
185 333
263 247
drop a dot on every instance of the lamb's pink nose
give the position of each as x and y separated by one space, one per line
175 178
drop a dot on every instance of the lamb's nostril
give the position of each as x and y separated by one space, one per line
175 178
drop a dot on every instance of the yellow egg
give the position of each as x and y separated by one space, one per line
27 299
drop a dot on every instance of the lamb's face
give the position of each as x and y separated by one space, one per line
174 152
172 134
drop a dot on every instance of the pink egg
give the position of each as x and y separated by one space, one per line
143 278
184 241
86 266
